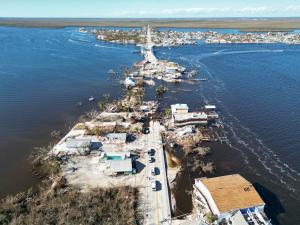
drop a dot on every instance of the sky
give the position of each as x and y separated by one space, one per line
149 8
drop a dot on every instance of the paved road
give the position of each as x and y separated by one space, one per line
157 202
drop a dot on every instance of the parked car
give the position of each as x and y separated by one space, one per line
145 130
153 170
151 152
153 185
150 159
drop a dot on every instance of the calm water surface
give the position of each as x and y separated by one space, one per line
256 88
44 72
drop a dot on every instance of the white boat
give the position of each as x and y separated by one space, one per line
82 30
91 99
129 82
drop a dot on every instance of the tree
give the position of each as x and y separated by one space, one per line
161 90
100 106
107 98
210 218
167 112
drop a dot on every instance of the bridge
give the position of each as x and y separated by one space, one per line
147 48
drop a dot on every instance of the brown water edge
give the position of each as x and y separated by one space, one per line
227 161
183 188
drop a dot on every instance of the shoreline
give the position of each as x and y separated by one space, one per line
243 25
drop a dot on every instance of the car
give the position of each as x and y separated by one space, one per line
150 159
145 130
153 185
150 152
153 171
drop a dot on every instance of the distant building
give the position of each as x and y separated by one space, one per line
211 112
116 138
179 108
232 199
185 119
182 117
210 107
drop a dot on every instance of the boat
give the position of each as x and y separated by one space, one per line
91 99
82 30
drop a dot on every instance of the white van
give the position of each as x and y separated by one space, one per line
153 185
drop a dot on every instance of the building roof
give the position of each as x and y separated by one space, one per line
210 107
189 116
117 136
232 192
180 106
118 166
78 143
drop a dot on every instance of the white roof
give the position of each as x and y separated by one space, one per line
121 165
180 106
187 116
78 143
210 107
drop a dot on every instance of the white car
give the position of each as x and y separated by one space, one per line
153 185
153 171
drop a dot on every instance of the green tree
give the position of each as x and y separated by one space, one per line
107 98
100 106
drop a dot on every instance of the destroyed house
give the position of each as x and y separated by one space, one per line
190 119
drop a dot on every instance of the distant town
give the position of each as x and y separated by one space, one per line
175 38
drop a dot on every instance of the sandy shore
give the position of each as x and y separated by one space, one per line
271 24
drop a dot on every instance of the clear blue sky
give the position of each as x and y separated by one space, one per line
149 8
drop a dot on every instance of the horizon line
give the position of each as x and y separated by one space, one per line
132 18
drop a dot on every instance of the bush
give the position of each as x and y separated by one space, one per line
112 206
161 90
210 218
167 112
